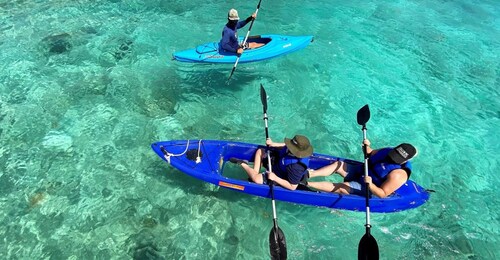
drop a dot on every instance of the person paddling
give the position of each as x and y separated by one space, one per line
290 162
389 168
229 41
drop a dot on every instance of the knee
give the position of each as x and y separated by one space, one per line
341 188
343 191
334 167
258 153
257 179
337 165
340 191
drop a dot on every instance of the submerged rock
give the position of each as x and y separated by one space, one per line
56 140
59 47
123 50
146 252
57 44
149 222
88 30
36 199
143 246
116 49
106 193
232 239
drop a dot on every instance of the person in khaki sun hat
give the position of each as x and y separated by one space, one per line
229 41
290 162
388 169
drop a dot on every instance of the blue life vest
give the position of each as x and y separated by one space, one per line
287 159
380 166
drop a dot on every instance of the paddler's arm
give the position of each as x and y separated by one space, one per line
281 182
246 21
270 143
369 150
395 180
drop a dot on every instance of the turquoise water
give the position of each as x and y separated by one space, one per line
87 86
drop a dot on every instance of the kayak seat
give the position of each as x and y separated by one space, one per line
259 39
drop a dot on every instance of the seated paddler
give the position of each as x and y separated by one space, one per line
229 41
388 169
289 160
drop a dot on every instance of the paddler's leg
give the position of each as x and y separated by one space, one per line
341 188
253 174
253 45
257 161
337 167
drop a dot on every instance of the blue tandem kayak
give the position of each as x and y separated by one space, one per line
275 45
212 156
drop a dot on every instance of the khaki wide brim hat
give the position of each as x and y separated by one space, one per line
233 15
299 146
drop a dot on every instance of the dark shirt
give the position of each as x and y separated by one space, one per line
229 41
295 173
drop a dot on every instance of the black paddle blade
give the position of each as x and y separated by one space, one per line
230 75
368 248
277 247
363 115
263 97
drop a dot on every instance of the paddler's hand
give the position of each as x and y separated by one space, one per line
369 150
271 176
368 179
254 16
239 51
269 142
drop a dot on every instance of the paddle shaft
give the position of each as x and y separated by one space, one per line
250 28
368 225
368 247
271 184
280 249
244 41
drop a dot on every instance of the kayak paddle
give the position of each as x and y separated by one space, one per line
244 41
368 247
277 241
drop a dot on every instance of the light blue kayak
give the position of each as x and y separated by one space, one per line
275 45
206 161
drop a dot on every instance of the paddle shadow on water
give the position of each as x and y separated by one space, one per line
215 76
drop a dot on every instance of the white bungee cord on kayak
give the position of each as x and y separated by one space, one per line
167 154
198 158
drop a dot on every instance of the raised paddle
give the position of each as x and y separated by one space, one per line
277 241
244 41
368 247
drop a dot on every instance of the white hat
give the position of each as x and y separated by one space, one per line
233 15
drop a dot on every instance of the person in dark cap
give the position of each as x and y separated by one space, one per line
388 169
290 162
229 41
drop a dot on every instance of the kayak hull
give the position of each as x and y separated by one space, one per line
214 154
275 45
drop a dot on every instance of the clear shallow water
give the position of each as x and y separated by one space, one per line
86 87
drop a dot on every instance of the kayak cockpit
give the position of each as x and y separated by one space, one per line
212 47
